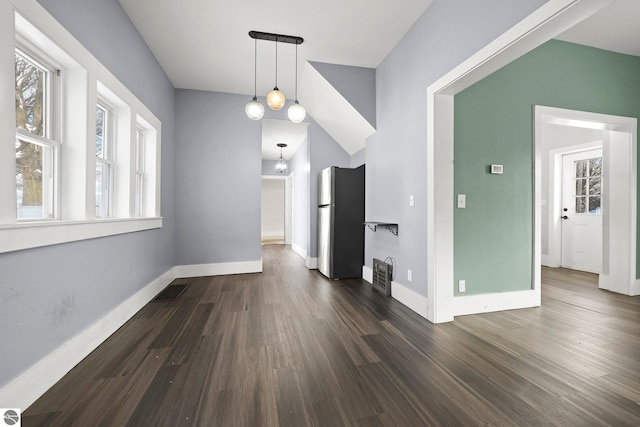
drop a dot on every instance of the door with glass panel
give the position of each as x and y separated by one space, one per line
581 216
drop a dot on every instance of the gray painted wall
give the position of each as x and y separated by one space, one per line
445 35
359 158
220 165
50 294
356 84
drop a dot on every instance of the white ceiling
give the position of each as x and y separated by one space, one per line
615 28
204 44
281 131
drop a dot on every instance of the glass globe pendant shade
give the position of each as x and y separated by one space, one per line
275 99
296 112
254 109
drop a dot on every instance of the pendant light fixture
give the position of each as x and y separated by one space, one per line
296 112
275 98
254 108
281 164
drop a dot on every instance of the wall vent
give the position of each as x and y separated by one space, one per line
382 274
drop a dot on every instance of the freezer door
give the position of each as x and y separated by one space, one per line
325 215
325 187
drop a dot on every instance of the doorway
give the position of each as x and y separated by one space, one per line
275 212
581 220
613 140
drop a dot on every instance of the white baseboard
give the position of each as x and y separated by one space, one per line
544 260
299 250
219 269
410 298
311 263
487 303
35 381
273 234
401 293
610 283
367 273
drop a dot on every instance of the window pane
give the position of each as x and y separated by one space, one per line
595 167
581 187
595 186
581 204
33 166
581 168
30 101
102 189
594 204
101 115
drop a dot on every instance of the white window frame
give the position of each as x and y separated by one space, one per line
109 144
83 81
50 137
139 161
588 194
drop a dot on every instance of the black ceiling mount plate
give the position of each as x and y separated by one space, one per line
275 37
281 145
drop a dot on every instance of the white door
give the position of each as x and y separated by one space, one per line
582 211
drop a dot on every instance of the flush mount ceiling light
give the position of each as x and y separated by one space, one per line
281 165
276 99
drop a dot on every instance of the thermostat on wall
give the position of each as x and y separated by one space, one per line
497 169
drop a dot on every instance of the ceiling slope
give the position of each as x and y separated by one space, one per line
333 112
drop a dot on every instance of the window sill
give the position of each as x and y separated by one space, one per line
15 237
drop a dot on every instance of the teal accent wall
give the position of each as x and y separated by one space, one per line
493 236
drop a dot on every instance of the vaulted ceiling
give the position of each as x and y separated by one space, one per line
204 44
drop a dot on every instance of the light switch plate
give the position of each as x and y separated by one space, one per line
411 200
462 201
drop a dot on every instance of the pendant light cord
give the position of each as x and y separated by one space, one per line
255 68
276 62
296 76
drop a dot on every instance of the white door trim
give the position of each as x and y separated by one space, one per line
549 20
619 242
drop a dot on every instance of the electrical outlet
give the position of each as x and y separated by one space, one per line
462 285
409 275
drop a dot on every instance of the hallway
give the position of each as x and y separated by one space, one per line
287 347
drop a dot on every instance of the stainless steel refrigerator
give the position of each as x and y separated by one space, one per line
341 222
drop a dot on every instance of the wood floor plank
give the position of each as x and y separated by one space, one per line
288 347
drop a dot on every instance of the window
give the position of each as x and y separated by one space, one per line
84 149
139 174
589 186
35 145
104 147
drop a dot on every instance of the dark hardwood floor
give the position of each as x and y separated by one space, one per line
290 348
